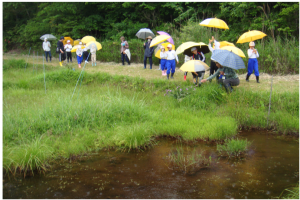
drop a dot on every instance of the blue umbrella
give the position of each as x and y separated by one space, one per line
228 59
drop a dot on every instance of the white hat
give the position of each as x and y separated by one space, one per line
193 49
251 44
80 42
45 39
169 45
68 41
162 47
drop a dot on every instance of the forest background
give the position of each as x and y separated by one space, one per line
25 22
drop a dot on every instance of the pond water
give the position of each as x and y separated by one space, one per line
271 166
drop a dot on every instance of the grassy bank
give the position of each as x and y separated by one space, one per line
120 111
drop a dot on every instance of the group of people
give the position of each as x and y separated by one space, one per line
64 52
224 75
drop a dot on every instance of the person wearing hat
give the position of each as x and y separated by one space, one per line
252 62
68 48
85 53
199 74
171 64
213 67
229 77
46 47
124 46
79 53
163 60
60 46
148 52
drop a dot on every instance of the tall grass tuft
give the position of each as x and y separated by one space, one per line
234 147
14 64
290 193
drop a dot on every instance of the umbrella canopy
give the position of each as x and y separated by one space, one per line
194 66
159 39
48 36
76 42
144 33
183 46
66 39
164 33
201 47
158 49
97 45
225 43
251 36
87 39
228 59
235 50
76 47
214 23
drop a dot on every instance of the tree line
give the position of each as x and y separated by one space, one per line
25 22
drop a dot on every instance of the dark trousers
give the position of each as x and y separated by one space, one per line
69 56
46 55
124 57
213 68
85 55
227 83
62 56
145 62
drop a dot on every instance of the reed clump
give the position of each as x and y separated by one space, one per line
234 147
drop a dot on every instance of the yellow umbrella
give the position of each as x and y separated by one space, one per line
87 39
99 46
158 49
214 23
235 50
66 39
76 42
159 39
251 36
225 43
194 66
76 47
184 46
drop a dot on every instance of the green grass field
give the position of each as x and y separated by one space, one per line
125 107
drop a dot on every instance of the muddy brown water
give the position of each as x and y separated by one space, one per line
271 166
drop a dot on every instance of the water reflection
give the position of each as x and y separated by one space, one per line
269 168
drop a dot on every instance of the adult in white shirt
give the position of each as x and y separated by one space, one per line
68 48
163 60
46 47
171 64
252 62
213 67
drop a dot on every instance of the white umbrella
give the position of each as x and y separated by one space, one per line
48 36
144 33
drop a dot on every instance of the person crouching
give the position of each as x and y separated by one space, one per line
171 64
199 74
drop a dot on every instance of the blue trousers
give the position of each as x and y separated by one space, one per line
79 59
124 57
46 55
163 63
171 64
145 62
253 65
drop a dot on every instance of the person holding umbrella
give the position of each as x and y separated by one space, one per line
68 48
213 67
124 46
79 53
199 74
148 52
252 62
229 77
46 47
163 60
61 50
171 56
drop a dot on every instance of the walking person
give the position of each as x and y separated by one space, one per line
79 53
148 52
199 74
171 64
68 48
252 62
229 77
163 61
85 54
124 46
213 67
61 50
46 47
